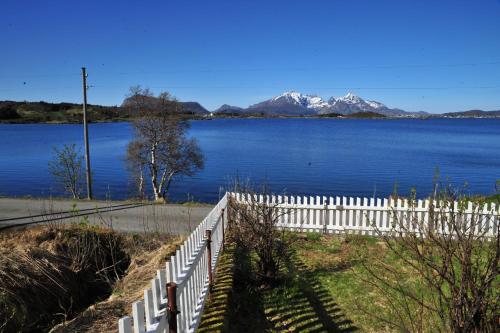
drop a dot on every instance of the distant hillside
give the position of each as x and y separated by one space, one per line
194 108
228 109
473 114
44 112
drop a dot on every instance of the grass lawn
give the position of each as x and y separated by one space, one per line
324 289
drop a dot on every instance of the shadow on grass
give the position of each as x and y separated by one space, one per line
298 304
217 307
302 304
235 305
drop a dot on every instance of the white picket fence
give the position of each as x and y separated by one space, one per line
367 216
188 269
189 266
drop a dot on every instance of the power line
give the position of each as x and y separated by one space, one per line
270 69
312 88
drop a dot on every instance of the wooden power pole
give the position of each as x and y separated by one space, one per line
86 134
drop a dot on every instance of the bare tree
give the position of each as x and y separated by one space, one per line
449 279
255 228
160 146
66 167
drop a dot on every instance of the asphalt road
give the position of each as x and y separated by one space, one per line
122 216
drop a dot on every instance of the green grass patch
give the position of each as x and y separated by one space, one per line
299 303
335 264
325 287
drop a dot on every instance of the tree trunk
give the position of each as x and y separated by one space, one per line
141 183
154 176
158 195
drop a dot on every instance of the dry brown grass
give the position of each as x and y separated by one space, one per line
148 253
52 274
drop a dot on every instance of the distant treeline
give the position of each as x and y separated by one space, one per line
473 114
360 115
44 112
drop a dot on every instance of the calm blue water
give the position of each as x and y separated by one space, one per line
299 156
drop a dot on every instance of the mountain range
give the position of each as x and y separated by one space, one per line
296 104
293 103
286 104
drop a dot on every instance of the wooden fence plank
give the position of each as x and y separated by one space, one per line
149 307
138 315
125 325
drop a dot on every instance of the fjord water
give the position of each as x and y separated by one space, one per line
298 156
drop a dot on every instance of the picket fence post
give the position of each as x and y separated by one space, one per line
222 217
172 307
208 234
325 215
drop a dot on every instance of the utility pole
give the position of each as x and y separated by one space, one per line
86 134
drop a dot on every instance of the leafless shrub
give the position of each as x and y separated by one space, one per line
255 227
94 251
66 167
447 279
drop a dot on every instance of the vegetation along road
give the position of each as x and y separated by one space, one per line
119 215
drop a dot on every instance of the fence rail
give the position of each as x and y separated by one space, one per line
176 298
370 216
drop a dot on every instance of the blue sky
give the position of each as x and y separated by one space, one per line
436 56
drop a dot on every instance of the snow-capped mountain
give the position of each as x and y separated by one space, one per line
351 103
290 103
308 101
293 103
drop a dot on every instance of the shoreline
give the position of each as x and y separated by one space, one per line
29 197
490 197
246 117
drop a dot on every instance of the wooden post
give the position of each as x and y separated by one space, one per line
172 307
209 258
325 215
222 216
86 135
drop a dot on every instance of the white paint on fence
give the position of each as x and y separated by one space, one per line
188 268
371 216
